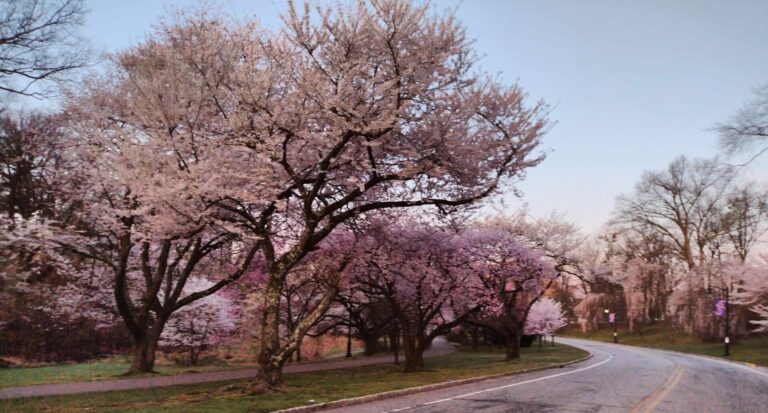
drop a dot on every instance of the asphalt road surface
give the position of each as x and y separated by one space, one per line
617 379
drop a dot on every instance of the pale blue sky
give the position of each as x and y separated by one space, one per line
635 83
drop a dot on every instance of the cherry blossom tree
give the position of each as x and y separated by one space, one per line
38 283
645 289
513 277
423 276
560 241
545 317
152 238
145 277
752 289
283 136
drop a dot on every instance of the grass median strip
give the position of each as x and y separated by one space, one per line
300 389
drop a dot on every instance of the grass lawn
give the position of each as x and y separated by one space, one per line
104 369
751 349
114 367
301 388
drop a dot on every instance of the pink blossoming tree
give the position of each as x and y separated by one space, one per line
545 317
423 275
281 137
514 276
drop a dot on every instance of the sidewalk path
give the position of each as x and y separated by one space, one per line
439 347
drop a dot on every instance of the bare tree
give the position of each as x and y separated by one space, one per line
38 43
748 128
745 219
682 204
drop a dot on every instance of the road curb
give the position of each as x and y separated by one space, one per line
412 390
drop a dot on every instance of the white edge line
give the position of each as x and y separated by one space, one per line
513 384
521 383
725 362
730 363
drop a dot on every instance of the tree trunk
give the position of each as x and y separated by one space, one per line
144 348
194 356
512 342
270 377
414 358
413 347
394 343
270 363
273 354
142 355
372 345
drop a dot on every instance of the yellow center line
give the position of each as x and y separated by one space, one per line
658 394
665 392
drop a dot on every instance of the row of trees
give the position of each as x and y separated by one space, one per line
688 236
219 168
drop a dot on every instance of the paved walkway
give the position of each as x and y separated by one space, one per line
439 347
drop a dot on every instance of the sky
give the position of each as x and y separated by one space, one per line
632 84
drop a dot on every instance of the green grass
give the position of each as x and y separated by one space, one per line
113 368
104 369
300 389
752 349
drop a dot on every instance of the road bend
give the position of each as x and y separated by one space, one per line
617 379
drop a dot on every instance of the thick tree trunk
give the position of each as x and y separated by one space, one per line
142 355
270 364
270 377
414 351
414 359
141 362
144 348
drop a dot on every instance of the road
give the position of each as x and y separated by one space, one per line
439 347
617 379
